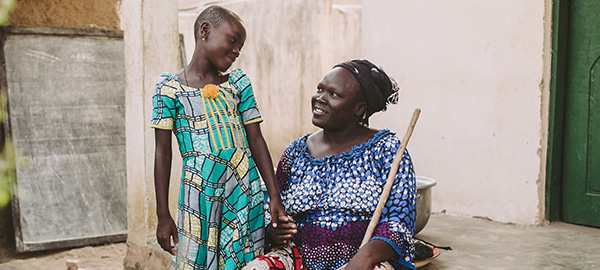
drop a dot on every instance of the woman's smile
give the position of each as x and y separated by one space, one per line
318 111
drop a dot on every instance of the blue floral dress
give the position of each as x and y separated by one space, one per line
332 201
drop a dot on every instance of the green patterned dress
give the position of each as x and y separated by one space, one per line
220 218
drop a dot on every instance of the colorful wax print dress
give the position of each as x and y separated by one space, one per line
220 219
332 201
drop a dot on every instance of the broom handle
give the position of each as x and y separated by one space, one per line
390 181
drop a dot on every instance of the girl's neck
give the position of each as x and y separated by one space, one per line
200 73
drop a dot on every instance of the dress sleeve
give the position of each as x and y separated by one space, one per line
163 103
284 167
247 106
396 226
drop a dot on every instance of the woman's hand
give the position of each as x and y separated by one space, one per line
375 251
165 231
283 232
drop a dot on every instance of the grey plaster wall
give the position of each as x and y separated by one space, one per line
66 108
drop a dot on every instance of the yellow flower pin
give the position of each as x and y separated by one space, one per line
210 91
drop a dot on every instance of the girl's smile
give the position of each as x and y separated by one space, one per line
224 43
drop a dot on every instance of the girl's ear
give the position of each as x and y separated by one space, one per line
204 30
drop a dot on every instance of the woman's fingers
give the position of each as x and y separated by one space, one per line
284 231
285 219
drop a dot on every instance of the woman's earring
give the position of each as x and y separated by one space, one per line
203 39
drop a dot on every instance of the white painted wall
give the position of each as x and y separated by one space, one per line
476 69
284 56
151 47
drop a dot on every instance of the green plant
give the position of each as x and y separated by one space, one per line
7 161
5 7
7 156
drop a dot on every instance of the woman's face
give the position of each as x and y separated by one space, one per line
338 101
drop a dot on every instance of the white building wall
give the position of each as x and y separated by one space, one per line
476 69
290 45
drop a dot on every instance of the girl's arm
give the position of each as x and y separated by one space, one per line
262 158
166 229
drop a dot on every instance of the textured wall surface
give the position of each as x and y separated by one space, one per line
290 46
67 111
476 69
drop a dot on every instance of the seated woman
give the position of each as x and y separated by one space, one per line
331 180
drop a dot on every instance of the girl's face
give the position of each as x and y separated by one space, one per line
338 100
224 43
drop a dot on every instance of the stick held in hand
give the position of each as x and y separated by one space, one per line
390 181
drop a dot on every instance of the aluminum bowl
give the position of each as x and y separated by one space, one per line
424 185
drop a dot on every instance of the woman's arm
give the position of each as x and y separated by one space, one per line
373 252
392 238
166 229
262 158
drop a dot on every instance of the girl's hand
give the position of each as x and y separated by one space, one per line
283 233
277 210
165 231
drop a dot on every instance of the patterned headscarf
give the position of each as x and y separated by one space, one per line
378 88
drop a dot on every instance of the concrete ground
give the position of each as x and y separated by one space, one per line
476 244
482 244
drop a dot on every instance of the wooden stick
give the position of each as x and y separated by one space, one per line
390 181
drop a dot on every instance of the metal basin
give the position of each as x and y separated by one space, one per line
424 185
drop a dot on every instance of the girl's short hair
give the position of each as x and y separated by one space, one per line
215 15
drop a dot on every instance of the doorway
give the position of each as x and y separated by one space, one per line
573 190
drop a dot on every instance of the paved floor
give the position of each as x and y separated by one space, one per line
476 244
482 244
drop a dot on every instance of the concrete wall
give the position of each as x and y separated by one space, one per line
151 47
477 70
290 46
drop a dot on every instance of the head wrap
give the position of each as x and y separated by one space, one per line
378 88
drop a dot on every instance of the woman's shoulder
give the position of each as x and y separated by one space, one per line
380 139
297 147
300 143
386 136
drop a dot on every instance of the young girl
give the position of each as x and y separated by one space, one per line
220 223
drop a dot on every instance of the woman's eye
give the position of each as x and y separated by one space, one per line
334 94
